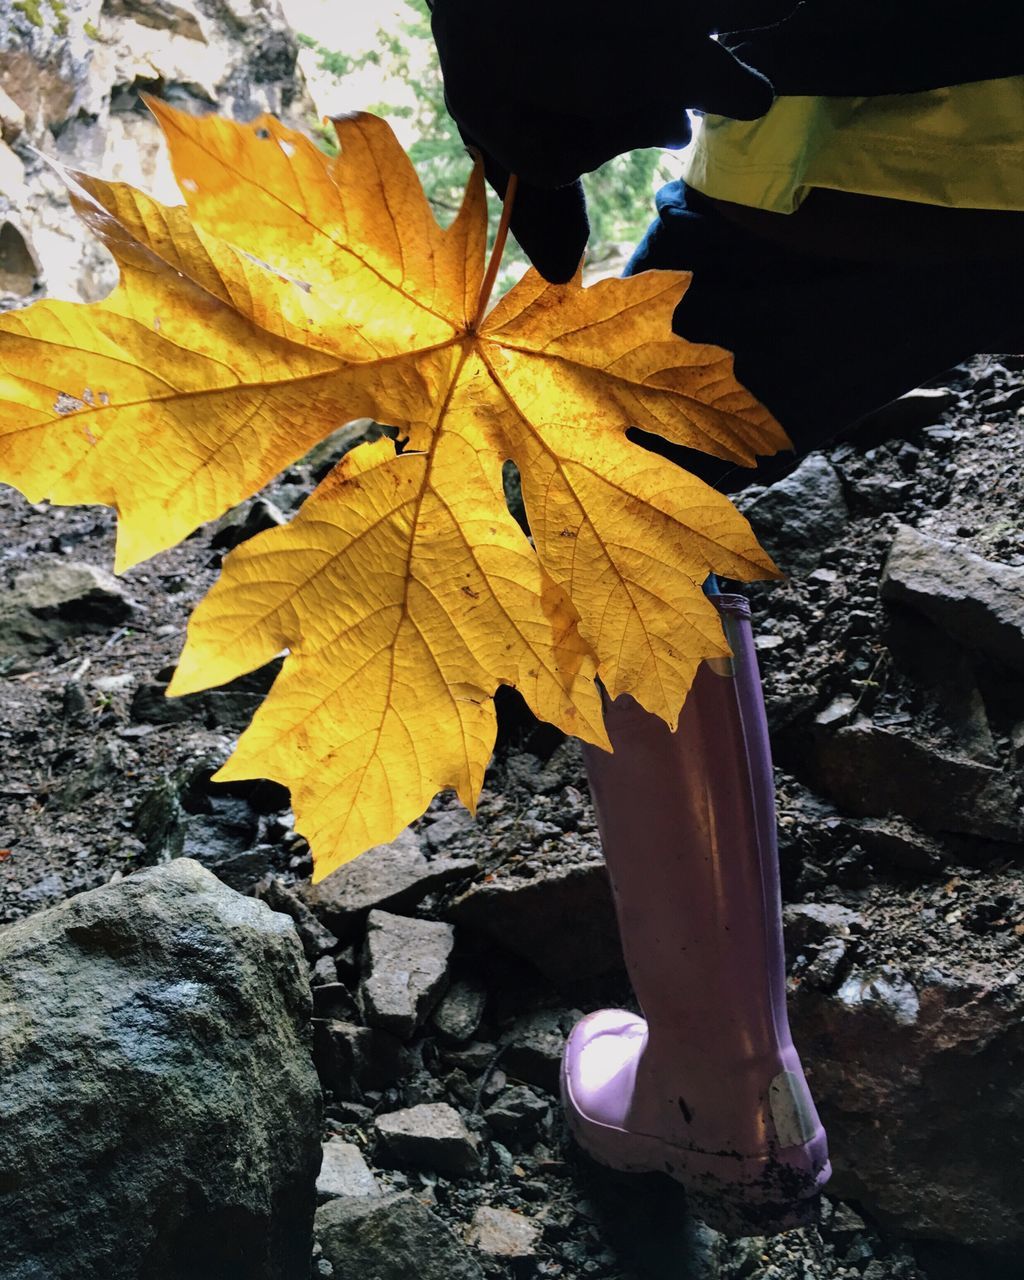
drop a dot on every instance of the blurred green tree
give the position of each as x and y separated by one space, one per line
618 194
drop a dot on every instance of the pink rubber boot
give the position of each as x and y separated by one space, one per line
708 1086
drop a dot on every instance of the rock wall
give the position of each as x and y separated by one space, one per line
72 76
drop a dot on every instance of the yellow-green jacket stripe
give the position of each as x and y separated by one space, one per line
960 146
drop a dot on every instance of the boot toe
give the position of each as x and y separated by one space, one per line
599 1066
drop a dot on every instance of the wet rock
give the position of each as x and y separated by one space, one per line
502 1233
977 602
449 828
460 1012
190 1105
53 601
78 595
234 705
526 771
316 940
185 817
429 1136
826 969
347 963
391 1238
519 1114
49 889
1003 401
352 1060
393 876
159 822
874 771
884 990
244 522
93 774
345 1112
344 1172
333 1000
562 920
324 972
458 1086
797 517
405 964
814 922
909 413
916 1072
873 494
150 705
471 1058
534 1044
230 707
224 841
894 843
845 1223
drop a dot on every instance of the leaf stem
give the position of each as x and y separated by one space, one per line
494 262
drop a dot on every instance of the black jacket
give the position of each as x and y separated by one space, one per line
868 47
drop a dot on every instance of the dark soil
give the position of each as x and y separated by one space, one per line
91 751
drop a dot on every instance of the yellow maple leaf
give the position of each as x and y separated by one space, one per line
294 292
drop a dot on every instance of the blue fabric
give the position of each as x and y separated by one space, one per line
820 341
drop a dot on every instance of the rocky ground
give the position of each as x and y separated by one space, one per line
894 668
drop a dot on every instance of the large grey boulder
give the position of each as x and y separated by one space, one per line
159 1110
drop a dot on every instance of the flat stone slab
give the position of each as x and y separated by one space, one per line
562 921
430 1136
873 771
344 1172
394 876
405 962
391 1238
501 1233
977 602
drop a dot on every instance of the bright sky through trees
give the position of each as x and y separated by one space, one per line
378 56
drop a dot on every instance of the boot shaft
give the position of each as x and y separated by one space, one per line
687 822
